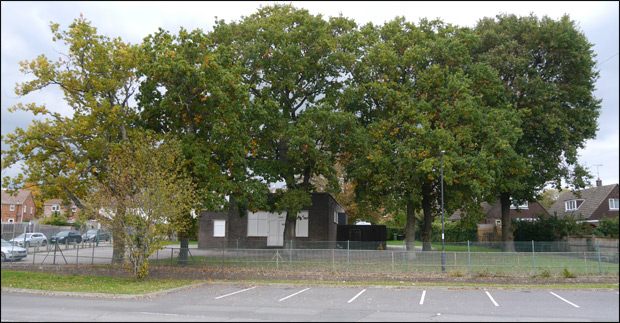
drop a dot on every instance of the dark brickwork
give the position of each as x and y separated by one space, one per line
321 225
205 233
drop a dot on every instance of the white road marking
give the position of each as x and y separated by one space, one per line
235 292
558 296
422 299
491 297
299 292
358 294
165 314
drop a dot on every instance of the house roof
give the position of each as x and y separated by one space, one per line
53 202
592 198
486 207
494 211
14 199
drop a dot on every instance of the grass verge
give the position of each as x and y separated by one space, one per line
117 285
89 284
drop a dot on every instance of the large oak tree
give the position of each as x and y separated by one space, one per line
547 68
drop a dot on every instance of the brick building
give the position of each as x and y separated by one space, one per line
19 207
318 222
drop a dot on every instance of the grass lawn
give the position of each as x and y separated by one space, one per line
88 284
392 261
448 247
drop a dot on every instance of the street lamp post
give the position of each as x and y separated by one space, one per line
443 248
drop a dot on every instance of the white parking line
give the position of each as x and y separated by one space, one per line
235 292
422 299
558 296
299 292
491 297
358 294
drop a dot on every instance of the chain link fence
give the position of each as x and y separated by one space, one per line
458 259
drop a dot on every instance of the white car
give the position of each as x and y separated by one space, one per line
11 252
32 239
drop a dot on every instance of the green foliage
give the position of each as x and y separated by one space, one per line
454 232
568 274
290 62
417 92
548 197
550 228
608 227
63 154
282 96
146 194
56 219
548 72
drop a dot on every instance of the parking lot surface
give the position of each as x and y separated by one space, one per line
288 302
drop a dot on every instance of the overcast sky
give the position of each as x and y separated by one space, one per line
26 34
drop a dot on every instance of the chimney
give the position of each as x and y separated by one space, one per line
599 183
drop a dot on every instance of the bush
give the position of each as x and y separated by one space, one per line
549 228
608 227
56 219
454 232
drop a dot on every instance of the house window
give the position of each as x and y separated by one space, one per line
55 207
301 227
570 205
335 217
12 207
31 209
613 204
498 222
219 228
523 206
257 224
11 221
73 208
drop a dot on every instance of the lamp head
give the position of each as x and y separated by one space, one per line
443 152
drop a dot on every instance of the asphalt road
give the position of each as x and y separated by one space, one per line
268 302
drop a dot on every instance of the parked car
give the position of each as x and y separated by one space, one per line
91 235
66 236
31 239
12 252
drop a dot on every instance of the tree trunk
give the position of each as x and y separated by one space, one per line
118 249
410 227
428 217
184 251
289 228
507 237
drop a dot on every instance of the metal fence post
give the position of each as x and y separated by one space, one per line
585 262
533 257
333 261
237 255
171 255
468 259
77 255
290 257
348 247
598 247
404 251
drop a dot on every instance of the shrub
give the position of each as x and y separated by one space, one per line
549 228
56 219
608 227
568 274
454 232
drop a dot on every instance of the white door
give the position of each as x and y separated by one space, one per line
275 231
